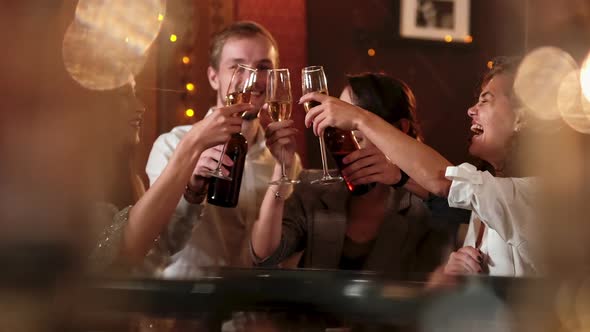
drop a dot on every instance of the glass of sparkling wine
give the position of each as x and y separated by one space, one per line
239 91
279 101
313 79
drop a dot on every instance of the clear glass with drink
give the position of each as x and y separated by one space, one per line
279 101
313 79
238 92
340 143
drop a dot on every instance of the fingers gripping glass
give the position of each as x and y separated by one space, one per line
313 79
278 99
238 92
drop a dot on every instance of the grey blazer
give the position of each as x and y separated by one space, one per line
315 221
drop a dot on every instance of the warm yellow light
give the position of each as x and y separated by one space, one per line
173 38
160 17
189 112
186 60
190 86
538 80
448 38
371 52
468 39
585 78
126 39
490 64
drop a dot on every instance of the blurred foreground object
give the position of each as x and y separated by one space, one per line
34 285
317 300
108 40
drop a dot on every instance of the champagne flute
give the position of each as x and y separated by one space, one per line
278 99
313 79
239 91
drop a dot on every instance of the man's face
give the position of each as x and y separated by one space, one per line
256 52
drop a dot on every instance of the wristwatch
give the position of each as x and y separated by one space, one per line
402 181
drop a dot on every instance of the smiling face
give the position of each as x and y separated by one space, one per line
257 52
129 110
493 121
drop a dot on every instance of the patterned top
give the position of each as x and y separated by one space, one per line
109 224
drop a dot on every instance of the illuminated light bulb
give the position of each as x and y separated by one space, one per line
186 60
468 39
189 112
160 17
490 64
585 78
173 38
448 38
190 86
371 52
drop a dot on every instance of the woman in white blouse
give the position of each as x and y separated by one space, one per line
497 241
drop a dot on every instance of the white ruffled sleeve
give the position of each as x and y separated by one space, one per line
503 204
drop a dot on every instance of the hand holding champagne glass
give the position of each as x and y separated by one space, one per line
238 92
314 80
279 100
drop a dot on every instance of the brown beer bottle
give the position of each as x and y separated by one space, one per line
223 192
339 144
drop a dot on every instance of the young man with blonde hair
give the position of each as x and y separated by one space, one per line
220 236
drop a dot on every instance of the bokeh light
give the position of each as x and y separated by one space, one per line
468 39
189 112
114 18
190 87
585 78
186 60
538 80
160 17
95 68
571 103
448 38
173 38
108 40
371 52
490 64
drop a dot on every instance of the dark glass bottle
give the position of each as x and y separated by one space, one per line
226 193
339 144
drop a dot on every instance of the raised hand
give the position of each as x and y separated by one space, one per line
332 112
280 138
209 159
217 127
467 260
210 134
370 165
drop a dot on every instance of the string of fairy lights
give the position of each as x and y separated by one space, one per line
180 33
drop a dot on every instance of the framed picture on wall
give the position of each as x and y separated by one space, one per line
442 20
